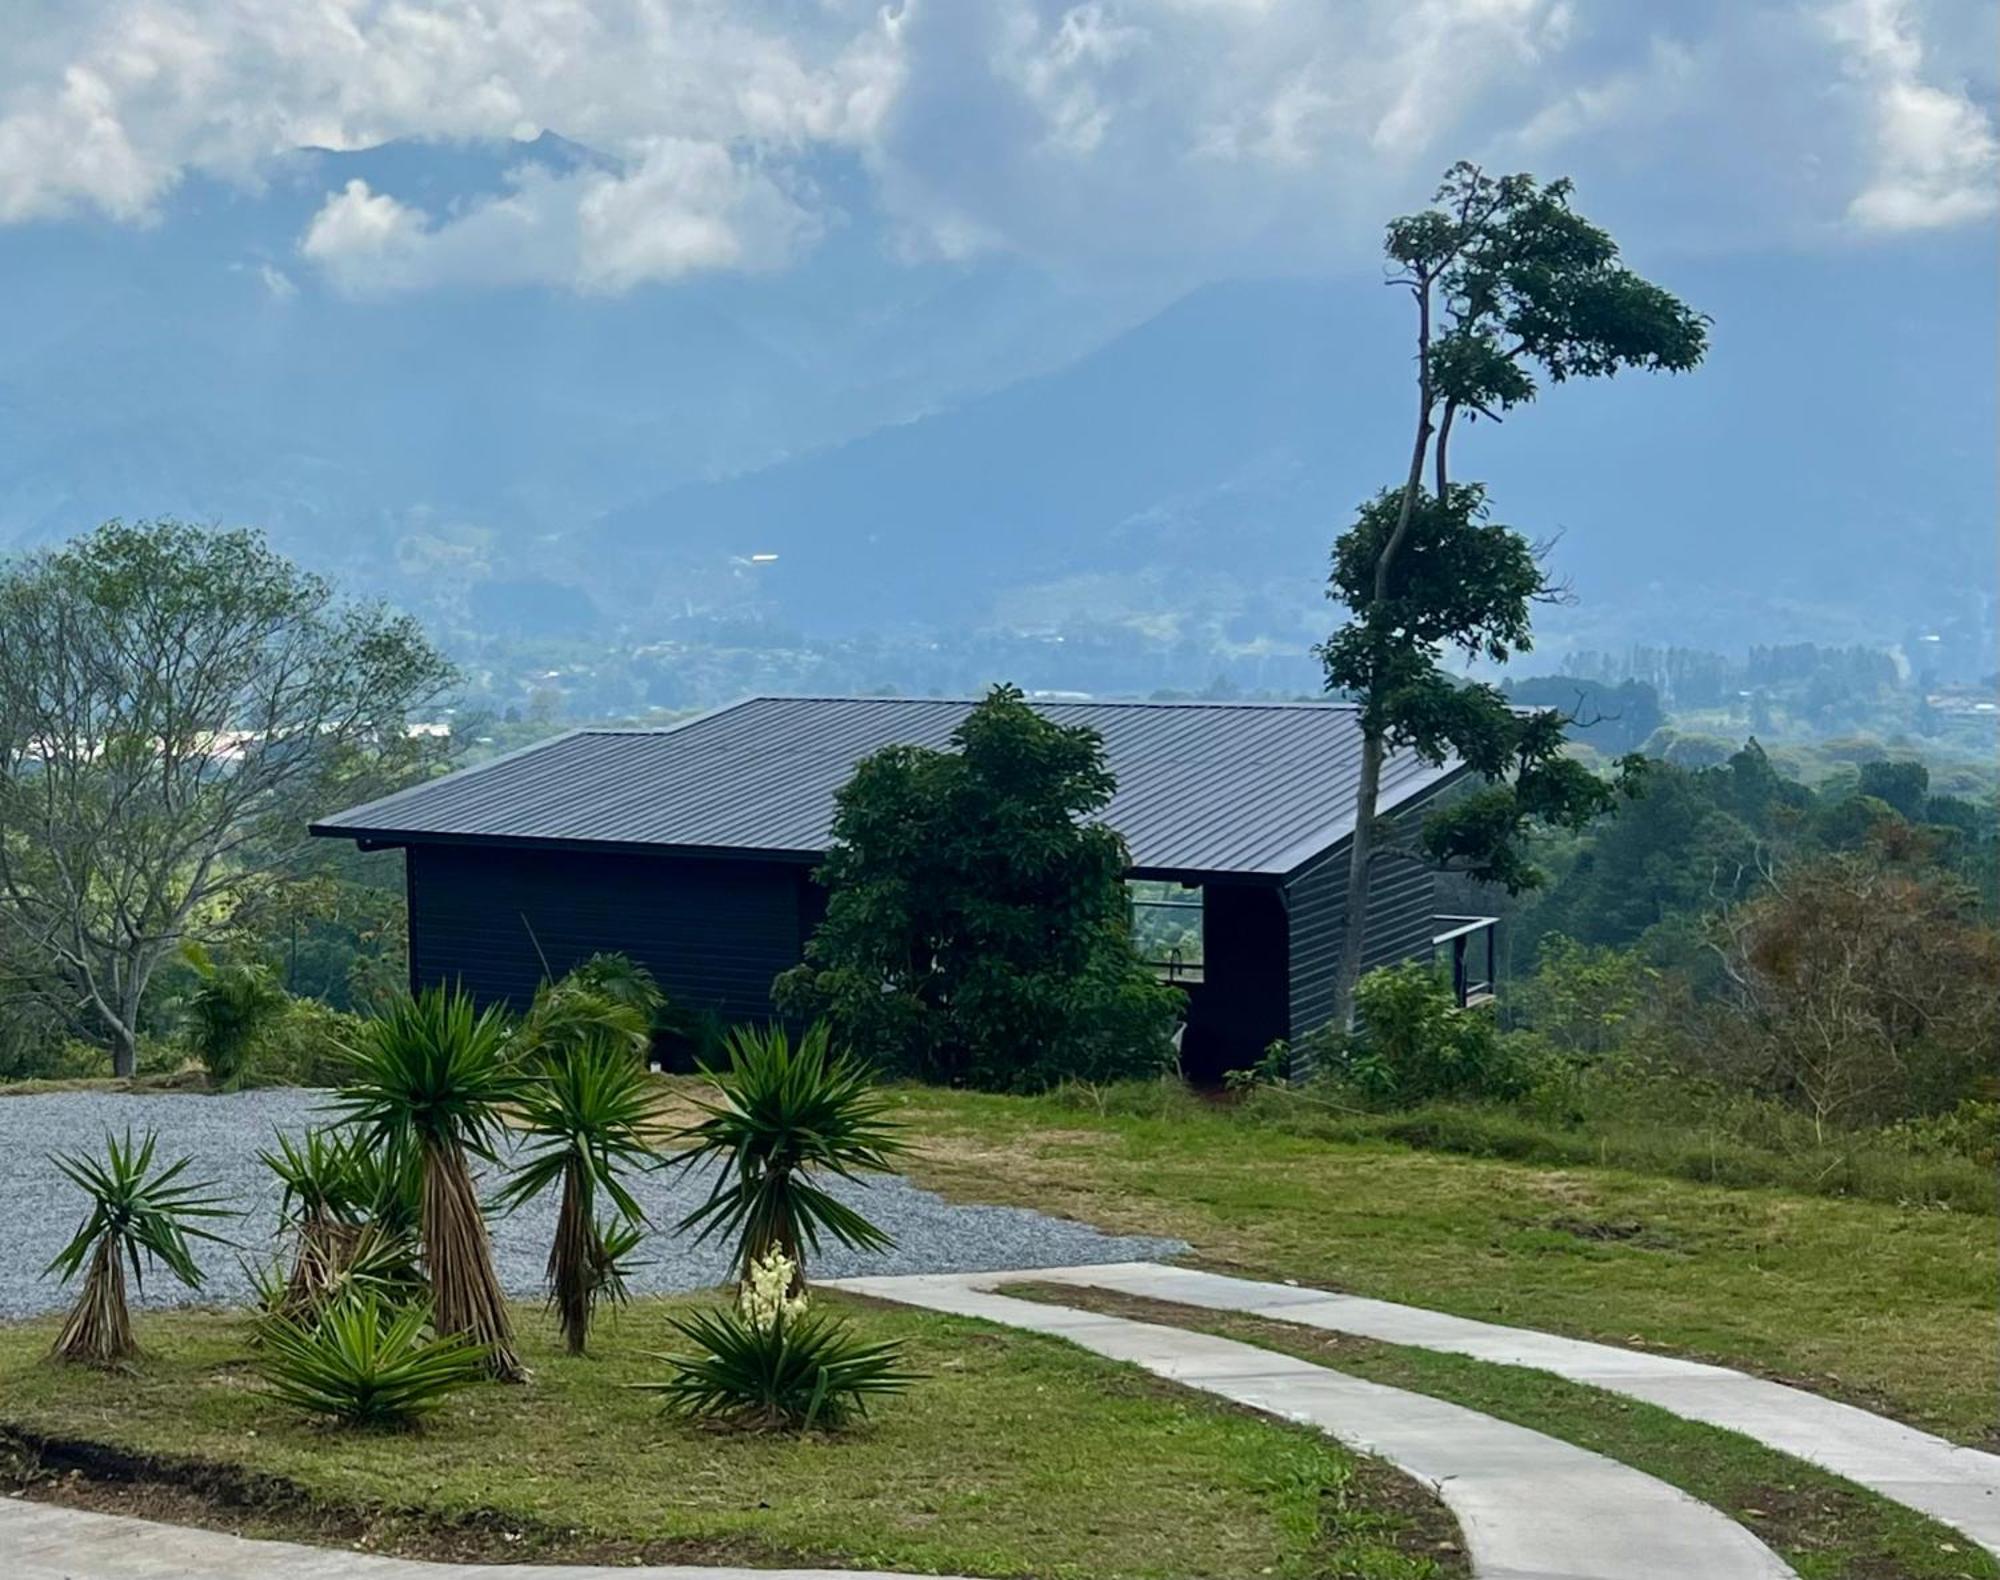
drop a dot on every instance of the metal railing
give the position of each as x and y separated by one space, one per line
1468 943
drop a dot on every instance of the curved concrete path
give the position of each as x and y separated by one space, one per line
1959 1487
1530 1506
44 1541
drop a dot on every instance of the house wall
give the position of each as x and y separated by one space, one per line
713 933
1239 1008
1402 911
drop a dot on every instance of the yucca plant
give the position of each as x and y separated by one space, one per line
230 1006
606 996
364 1362
352 1211
584 1119
139 1214
782 1114
433 1073
773 1361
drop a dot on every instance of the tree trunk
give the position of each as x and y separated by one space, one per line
1361 854
1354 925
465 1290
124 1053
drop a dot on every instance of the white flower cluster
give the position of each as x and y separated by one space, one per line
767 1292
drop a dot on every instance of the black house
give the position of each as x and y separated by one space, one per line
691 849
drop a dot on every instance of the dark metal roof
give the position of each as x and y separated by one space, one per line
1202 787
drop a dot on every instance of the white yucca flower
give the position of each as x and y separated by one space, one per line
767 1292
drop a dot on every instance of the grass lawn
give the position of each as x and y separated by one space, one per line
1890 1307
1826 1528
1016 1455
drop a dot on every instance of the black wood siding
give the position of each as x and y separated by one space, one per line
1402 912
713 932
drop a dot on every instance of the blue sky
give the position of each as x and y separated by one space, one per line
1172 140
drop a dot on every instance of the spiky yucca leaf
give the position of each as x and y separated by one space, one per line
138 1214
366 1363
796 1372
584 1120
434 1073
781 1113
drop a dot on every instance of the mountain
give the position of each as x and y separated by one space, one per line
200 366
970 451
1822 477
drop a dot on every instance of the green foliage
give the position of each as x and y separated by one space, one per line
584 1119
433 1075
432 1069
608 996
1583 999
800 1372
309 1044
146 1214
1506 279
977 926
782 1114
1414 1044
363 1363
175 702
231 1007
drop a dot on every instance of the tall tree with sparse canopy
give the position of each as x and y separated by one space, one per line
1509 283
175 703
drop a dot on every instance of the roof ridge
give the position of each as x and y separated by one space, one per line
1315 704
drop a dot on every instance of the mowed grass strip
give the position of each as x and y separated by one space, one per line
1016 1455
1827 1528
1888 1307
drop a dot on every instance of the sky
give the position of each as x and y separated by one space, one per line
1183 139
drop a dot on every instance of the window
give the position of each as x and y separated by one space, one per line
1166 927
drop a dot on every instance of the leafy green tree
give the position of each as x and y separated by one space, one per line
977 927
433 1073
1508 282
175 705
139 1213
1904 785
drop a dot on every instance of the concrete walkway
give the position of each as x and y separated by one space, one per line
43 1541
1530 1507
1959 1487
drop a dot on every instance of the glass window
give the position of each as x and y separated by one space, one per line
1166 927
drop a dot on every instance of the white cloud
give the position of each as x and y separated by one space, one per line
1195 135
682 207
1936 160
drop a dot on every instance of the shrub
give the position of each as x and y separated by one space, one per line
781 1114
227 1011
1416 1045
138 1214
773 1362
307 1045
366 1363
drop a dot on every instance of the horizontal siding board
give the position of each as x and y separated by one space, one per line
713 933
1402 909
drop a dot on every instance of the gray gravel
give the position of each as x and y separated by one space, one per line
39 1209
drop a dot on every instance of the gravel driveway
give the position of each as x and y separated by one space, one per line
39 1209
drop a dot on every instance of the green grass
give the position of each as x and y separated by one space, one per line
1016 1455
1709 1148
1889 1307
1825 1527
